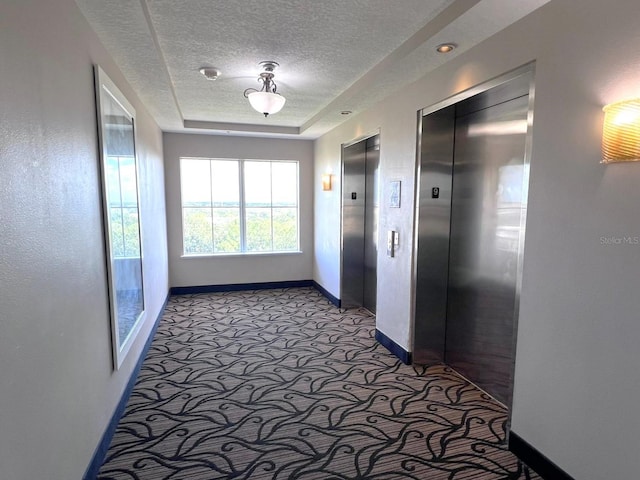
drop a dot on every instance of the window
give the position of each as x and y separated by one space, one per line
122 192
122 226
239 206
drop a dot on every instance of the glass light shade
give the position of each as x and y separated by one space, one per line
621 132
326 182
266 102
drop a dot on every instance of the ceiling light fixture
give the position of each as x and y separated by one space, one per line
210 73
446 47
266 100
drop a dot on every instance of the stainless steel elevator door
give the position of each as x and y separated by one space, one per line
353 220
487 207
471 210
434 216
360 205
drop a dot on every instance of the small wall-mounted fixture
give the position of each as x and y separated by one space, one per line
326 182
621 132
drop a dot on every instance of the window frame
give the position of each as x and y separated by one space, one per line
242 207
106 91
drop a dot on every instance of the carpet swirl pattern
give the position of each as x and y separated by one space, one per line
280 384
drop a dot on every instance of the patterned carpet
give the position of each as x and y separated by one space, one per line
280 384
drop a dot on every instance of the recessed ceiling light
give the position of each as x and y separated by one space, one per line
346 112
446 47
210 73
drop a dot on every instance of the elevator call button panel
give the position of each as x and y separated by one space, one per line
354 195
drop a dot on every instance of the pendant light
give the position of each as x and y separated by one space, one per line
266 100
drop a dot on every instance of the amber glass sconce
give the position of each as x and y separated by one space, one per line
621 132
326 181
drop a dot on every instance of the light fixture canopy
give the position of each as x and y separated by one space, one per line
266 100
621 132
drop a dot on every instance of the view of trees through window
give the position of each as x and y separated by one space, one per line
123 206
235 206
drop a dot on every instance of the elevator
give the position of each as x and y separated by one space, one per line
473 175
360 205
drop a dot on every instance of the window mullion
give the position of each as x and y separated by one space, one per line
124 245
298 205
271 202
243 219
213 235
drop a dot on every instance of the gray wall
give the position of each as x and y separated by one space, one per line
216 270
577 382
57 387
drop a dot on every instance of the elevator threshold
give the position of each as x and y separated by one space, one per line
474 384
359 309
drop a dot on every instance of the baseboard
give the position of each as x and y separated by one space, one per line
535 460
326 293
105 441
393 347
238 287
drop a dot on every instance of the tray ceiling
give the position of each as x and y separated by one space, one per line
334 55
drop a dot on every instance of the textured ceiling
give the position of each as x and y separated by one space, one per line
334 55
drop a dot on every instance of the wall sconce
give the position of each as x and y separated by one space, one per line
621 132
326 182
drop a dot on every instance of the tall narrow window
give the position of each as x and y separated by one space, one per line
116 120
239 206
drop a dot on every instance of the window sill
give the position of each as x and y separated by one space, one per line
239 255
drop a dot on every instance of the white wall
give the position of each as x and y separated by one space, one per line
577 381
397 157
57 387
220 270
